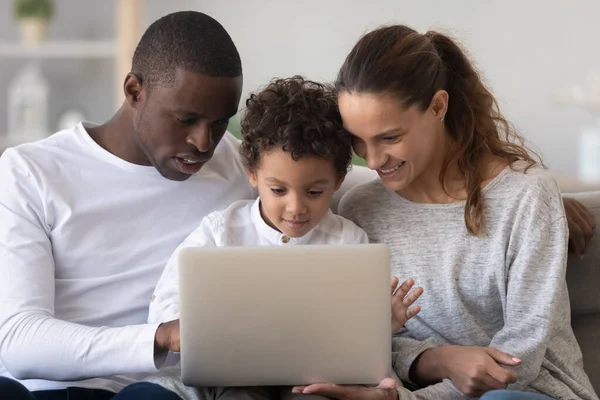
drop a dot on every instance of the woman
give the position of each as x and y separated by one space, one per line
470 214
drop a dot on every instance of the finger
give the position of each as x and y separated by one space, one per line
412 311
387 383
501 357
395 281
583 218
586 213
405 288
502 376
331 390
576 238
412 297
298 389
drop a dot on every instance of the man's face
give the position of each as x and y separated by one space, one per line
179 127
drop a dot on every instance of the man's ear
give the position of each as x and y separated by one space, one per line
252 177
134 90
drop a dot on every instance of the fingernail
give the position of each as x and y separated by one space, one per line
515 359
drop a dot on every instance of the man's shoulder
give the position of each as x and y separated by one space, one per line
40 152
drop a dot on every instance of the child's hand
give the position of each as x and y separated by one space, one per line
402 302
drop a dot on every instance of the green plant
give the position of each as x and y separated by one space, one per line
43 9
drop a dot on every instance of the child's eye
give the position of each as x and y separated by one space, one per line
278 191
315 193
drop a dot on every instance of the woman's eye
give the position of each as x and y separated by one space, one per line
391 139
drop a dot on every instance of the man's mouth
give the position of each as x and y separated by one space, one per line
189 165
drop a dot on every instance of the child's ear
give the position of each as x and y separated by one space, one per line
339 181
252 177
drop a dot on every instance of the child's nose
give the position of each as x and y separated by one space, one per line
296 206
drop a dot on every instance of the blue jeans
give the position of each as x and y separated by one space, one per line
10 389
513 395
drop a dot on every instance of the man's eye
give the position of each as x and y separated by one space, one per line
186 121
315 193
222 122
278 191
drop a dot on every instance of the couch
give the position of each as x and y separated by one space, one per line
583 279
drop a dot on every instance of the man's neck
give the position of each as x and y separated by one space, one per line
117 136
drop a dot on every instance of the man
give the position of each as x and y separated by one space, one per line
88 221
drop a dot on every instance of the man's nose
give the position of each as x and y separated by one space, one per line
201 137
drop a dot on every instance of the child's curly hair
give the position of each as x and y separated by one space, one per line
296 115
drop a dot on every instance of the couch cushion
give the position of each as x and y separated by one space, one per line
583 277
587 331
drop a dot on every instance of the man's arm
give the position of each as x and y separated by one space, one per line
165 299
34 344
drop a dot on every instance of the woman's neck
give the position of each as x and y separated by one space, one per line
427 188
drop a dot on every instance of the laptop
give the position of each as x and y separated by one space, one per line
262 316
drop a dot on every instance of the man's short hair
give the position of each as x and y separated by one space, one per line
189 40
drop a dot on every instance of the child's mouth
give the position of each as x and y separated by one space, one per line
295 225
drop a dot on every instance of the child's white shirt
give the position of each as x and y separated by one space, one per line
242 225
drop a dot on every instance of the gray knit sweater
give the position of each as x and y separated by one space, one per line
505 289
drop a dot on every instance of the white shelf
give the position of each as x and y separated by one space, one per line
60 49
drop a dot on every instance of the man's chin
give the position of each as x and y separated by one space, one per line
173 174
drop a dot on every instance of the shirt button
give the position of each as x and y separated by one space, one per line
285 239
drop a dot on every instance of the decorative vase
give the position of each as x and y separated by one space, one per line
28 105
589 150
33 31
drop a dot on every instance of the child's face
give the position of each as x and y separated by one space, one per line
295 195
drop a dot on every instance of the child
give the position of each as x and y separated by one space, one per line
296 154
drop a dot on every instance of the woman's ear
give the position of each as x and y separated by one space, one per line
439 104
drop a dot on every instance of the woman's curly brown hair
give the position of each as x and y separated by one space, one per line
296 115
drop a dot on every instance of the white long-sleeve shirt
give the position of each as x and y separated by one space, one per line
84 237
242 225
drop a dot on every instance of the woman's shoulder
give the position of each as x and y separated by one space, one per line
361 196
523 178
527 189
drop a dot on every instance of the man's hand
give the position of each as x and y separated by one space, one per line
581 226
476 370
167 337
386 390
402 301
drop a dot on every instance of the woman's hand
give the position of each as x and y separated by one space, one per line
473 370
386 390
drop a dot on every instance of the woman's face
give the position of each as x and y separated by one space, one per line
404 145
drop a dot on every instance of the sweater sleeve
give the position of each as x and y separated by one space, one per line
536 294
34 344
164 305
